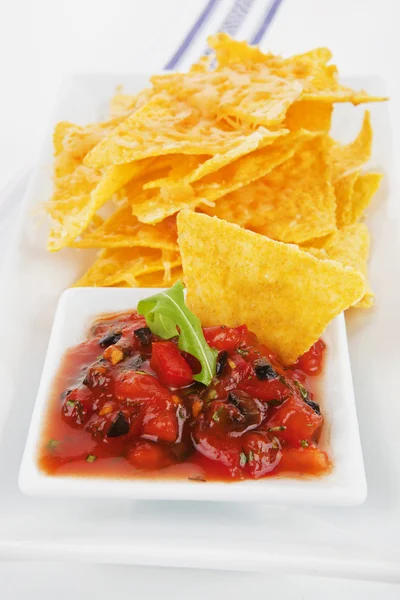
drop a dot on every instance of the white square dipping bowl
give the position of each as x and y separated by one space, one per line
344 485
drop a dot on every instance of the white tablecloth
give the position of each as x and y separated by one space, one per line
42 41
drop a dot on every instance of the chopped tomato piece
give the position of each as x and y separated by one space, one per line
295 423
311 361
228 338
78 406
304 460
140 387
148 455
260 453
170 366
163 427
267 390
236 370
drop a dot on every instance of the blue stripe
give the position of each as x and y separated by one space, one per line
266 22
234 19
171 64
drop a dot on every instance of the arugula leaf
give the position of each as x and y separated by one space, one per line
165 312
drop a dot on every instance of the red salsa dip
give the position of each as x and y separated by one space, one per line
124 404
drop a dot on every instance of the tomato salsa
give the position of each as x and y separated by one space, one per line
125 404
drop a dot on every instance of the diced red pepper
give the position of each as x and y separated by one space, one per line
170 366
295 423
311 362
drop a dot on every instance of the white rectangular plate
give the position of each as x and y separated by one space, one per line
345 485
360 541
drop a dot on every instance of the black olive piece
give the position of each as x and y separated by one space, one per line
180 451
143 334
247 406
313 405
133 362
264 369
96 374
119 427
221 361
109 339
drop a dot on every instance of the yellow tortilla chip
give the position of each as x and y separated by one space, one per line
165 126
347 158
285 295
122 104
202 166
159 279
78 197
318 80
365 188
250 93
313 116
350 247
354 192
152 206
72 142
123 230
344 188
295 202
124 265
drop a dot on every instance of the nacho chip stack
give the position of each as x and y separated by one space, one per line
246 140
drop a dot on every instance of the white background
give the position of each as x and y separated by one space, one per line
42 41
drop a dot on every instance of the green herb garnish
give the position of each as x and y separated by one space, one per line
70 403
275 402
90 458
242 351
304 443
165 313
216 416
243 459
302 390
277 428
251 456
52 444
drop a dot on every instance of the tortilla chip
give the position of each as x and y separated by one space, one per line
123 230
318 80
165 126
354 192
365 188
350 247
295 202
122 104
78 197
348 158
152 206
159 279
202 166
124 265
285 295
248 93
344 188
313 116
